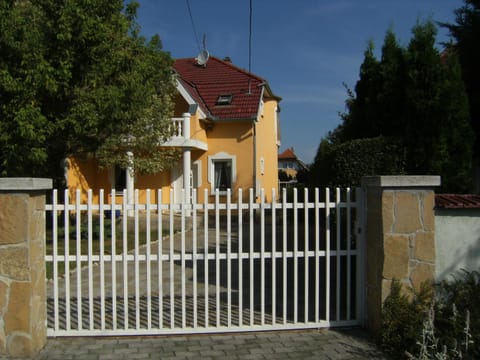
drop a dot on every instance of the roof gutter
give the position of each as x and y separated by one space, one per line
216 118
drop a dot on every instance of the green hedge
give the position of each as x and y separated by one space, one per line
344 164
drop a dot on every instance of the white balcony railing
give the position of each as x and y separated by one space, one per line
181 134
178 127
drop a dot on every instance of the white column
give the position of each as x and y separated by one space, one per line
187 161
186 125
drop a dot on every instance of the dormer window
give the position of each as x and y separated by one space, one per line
224 99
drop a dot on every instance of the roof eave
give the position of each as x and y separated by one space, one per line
189 98
269 92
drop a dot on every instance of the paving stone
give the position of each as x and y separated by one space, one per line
213 353
182 353
323 344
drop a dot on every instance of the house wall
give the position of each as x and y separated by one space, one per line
154 182
457 241
84 175
288 170
197 129
267 149
230 138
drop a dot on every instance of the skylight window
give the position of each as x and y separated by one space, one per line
224 99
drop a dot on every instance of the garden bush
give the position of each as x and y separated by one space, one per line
439 324
403 315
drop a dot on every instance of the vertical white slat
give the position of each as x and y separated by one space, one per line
90 257
148 213
205 255
274 257
251 279
171 249
338 218
136 252
66 222
182 260
240 258
295 255
102 259
217 256
317 254
327 254
55 258
125 259
113 259
78 270
262 257
194 258
160 258
305 253
284 258
349 254
229 260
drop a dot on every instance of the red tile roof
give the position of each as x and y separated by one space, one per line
206 83
287 155
456 201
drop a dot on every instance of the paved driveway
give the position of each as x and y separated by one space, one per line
311 344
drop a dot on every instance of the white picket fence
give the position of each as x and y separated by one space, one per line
204 267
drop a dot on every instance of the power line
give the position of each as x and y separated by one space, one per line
250 40
193 25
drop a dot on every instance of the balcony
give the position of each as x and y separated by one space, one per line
181 135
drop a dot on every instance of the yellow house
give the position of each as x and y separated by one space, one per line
227 128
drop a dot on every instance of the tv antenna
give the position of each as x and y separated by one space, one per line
203 56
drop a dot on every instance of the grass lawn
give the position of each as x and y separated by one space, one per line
96 244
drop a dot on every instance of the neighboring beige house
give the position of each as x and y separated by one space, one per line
290 163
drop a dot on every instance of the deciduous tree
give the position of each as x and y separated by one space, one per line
76 78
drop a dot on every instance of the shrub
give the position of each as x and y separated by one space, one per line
402 319
455 299
442 327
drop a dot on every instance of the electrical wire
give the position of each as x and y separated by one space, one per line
193 26
250 40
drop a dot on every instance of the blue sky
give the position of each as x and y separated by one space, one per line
305 49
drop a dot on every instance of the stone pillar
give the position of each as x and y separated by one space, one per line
23 314
400 236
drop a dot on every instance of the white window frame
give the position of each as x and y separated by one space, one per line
221 156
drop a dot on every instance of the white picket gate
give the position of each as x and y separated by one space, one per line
205 267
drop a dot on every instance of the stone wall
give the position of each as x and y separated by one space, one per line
22 266
400 236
